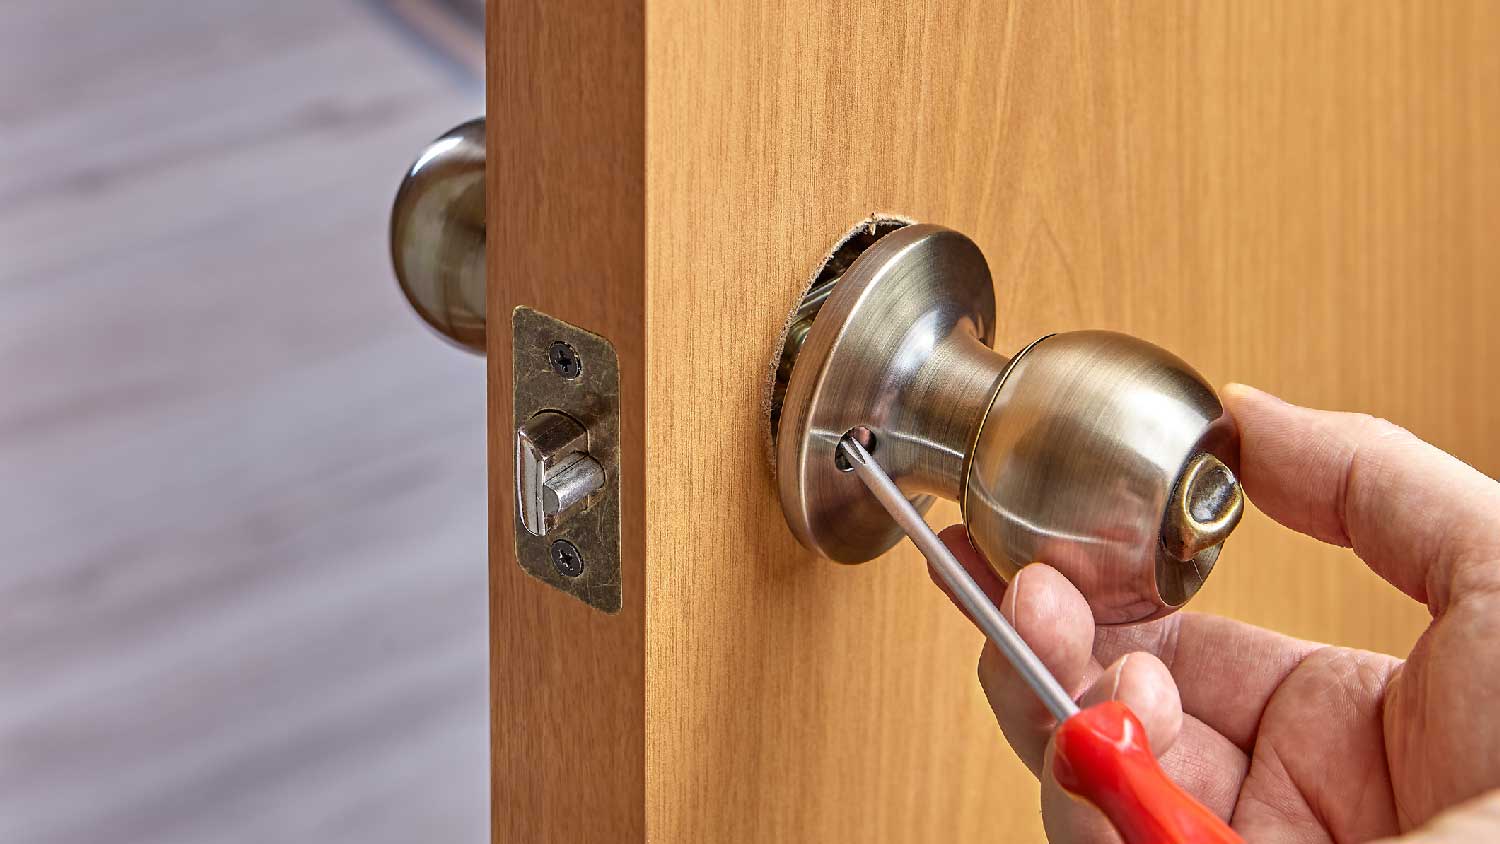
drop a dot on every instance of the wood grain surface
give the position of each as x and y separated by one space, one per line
242 520
1299 195
566 197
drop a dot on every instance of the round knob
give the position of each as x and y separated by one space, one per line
1097 453
1096 457
437 235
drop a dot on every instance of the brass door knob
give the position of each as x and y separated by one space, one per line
1098 453
437 235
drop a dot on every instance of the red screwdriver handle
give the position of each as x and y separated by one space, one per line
1103 757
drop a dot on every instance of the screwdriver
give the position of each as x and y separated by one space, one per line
1102 755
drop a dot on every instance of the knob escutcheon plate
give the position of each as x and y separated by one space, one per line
901 346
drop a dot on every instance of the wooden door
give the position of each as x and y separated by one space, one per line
1300 195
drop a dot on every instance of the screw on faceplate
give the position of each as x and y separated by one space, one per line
566 558
565 361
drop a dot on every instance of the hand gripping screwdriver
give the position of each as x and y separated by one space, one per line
1101 752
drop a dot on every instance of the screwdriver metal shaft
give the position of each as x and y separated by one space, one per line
968 594
1101 753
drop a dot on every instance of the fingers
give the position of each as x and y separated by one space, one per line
1419 517
1194 756
1143 683
1053 619
1226 671
1052 616
956 537
1056 622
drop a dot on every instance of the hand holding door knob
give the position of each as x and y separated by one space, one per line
1097 456
1103 455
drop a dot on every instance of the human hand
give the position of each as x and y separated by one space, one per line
1292 740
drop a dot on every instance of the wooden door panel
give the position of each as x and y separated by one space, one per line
566 236
1301 196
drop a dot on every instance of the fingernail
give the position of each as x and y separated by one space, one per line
1114 692
1248 392
1013 595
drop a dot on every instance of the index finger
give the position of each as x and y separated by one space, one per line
1419 517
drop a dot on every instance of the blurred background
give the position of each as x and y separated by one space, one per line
242 488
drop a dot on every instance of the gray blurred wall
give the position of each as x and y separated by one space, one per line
242 489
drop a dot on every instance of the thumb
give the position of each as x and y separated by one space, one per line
1421 518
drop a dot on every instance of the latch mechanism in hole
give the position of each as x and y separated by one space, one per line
555 476
567 417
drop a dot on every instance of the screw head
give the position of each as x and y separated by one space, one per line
564 359
567 559
862 435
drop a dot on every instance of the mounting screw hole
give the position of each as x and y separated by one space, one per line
862 435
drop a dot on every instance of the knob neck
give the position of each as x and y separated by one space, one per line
946 404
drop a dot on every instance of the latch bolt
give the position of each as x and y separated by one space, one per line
554 473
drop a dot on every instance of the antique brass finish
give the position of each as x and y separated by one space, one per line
1205 507
567 520
1092 451
437 235
567 380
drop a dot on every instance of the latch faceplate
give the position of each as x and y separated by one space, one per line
567 457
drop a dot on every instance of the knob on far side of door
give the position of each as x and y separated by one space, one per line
438 235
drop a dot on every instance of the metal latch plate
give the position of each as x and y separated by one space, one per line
562 368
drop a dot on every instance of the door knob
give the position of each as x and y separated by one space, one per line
1099 453
437 235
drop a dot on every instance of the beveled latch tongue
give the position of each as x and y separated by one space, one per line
554 473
